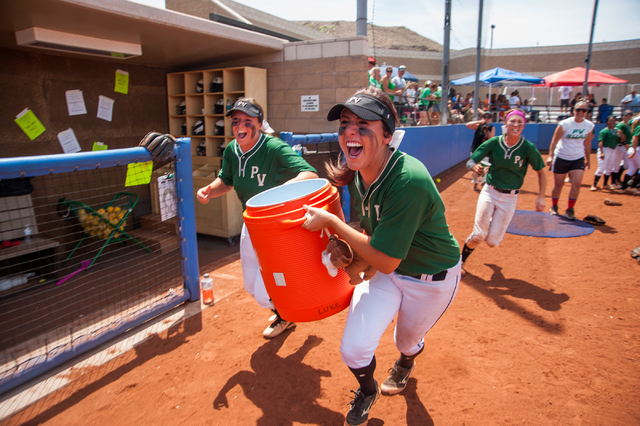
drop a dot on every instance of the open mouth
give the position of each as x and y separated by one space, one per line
353 149
242 135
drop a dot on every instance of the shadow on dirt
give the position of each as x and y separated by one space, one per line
284 389
497 287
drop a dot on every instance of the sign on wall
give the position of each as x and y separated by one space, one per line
310 103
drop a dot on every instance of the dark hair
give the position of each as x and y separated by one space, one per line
338 171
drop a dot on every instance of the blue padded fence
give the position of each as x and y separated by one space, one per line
54 164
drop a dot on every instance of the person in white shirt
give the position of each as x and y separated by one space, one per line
401 85
514 100
569 153
631 102
565 95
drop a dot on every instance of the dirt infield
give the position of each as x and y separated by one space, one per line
542 332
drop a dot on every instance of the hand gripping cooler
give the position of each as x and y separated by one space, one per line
290 256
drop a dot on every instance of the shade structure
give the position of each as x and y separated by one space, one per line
499 77
575 77
407 75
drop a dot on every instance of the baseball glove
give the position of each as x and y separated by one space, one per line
594 220
340 252
359 270
159 146
610 202
635 253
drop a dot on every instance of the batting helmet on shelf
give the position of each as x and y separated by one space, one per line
218 108
198 128
219 128
200 86
181 109
216 85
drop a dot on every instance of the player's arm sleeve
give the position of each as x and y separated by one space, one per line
535 159
291 162
225 173
480 152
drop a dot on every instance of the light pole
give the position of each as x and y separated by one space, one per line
492 27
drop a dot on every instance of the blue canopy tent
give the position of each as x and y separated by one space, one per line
498 77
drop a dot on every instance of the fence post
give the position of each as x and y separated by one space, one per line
187 217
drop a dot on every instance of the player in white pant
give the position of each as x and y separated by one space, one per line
632 176
510 155
406 239
608 141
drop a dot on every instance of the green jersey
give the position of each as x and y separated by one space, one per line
374 83
636 131
423 97
271 162
508 164
609 138
403 213
625 131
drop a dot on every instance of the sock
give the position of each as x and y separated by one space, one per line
554 201
466 252
615 177
625 181
595 180
606 180
364 376
572 202
406 361
635 181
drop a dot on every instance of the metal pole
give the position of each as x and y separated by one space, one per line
361 19
478 58
492 27
588 59
444 101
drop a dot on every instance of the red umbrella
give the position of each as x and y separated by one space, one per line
575 77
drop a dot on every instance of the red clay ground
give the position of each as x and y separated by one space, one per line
542 332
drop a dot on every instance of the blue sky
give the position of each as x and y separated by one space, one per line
517 23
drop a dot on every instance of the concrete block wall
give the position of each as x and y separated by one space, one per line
332 69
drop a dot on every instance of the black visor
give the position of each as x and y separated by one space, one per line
367 107
248 108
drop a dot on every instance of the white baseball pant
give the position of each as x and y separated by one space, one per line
494 212
418 303
253 282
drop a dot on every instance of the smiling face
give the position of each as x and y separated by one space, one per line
611 122
245 129
364 144
515 124
580 111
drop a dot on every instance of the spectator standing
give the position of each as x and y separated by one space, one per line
401 85
412 100
387 84
574 101
591 103
565 95
424 104
372 63
569 153
436 97
604 111
514 100
631 102
374 78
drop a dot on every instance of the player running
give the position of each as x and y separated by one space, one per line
406 239
510 155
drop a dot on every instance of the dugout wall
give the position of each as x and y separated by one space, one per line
99 261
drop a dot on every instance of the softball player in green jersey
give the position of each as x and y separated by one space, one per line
252 163
406 239
510 155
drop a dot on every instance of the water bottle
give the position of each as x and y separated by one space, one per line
27 234
207 289
228 104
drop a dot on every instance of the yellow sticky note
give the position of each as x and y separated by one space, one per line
29 123
139 173
122 82
99 146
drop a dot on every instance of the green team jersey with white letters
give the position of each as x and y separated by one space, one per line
271 162
609 138
508 164
403 213
626 131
